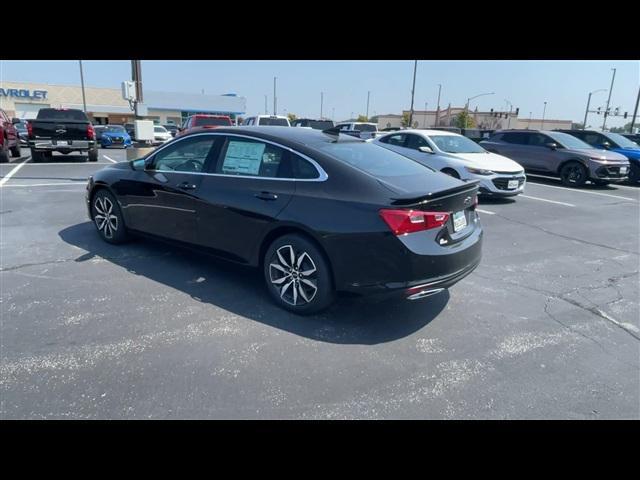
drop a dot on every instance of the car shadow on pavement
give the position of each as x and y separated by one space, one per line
240 290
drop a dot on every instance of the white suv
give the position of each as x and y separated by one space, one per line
267 120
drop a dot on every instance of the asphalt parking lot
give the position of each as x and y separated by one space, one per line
547 327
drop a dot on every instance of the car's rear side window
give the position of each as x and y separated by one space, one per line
518 138
373 159
302 168
278 122
203 121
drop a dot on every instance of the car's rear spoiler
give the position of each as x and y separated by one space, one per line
420 198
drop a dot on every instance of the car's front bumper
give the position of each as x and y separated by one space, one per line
497 185
609 172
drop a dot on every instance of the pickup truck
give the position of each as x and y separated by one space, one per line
63 130
9 141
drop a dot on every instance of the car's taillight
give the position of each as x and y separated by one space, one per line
409 221
91 133
29 130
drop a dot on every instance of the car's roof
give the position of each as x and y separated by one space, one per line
304 136
209 115
527 130
424 132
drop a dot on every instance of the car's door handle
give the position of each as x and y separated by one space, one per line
266 196
186 186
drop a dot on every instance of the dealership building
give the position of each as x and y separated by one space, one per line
446 117
106 105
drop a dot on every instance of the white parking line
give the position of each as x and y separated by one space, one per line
6 178
109 158
582 191
485 211
550 201
25 185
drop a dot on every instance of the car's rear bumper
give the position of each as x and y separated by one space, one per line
52 145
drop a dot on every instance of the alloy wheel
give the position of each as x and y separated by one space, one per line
105 220
293 274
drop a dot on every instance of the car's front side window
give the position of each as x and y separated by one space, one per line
414 142
187 155
397 140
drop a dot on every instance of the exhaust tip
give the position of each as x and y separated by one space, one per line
424 293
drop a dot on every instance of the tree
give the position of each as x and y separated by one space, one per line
362 118
292 117
464 120
405 119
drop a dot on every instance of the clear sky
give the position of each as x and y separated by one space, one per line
564 85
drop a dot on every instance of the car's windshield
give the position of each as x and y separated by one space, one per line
456 144
320 124
622 141
569 141
114 128
274 122
21 126
61 115
373 159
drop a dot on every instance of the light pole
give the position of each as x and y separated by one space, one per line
266 111
635 112
275 104
544 110
321 101
413 91
438 107
510 110
84 101
584 124
606 110
425 114
529 126
471 98
333 114
368 94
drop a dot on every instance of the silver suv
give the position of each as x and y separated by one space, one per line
560 154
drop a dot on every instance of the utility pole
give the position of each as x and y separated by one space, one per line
266 112
413 91
321 101
544 110
84 101
635 112
333 114
438 108
425 115
275 104
136 76
368 94
606 110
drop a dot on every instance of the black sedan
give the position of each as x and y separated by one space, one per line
317 211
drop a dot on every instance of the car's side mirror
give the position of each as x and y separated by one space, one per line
426 150
148 164
15 120
552 145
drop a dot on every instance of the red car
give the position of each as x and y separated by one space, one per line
9 139
205 121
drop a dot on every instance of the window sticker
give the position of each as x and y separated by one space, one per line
243 158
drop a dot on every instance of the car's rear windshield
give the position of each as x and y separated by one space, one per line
62 115
202 121
274 122
365 127
373 159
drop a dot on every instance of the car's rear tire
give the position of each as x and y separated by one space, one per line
93 155
4 154
36 156
573 174
15 151
298 276
451 172
107 217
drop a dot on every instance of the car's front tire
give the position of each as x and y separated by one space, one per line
107 217
15 151
634 174
93 155
297 275
573 174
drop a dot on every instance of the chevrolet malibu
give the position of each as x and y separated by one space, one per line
459 157
318 212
